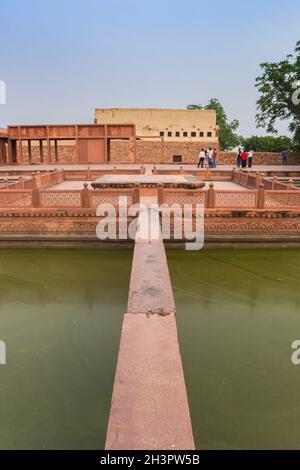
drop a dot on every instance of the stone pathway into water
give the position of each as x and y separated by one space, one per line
149 407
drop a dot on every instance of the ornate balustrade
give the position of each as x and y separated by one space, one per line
15 198
254 180
20 183
227 198
182 196
41 180
108 196
59 199
282 198
85 198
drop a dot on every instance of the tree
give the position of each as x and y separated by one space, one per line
266 143
279 88
227 136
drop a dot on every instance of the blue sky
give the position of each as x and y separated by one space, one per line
62 58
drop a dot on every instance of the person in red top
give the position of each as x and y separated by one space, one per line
244 158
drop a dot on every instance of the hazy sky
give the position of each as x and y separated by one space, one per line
62 58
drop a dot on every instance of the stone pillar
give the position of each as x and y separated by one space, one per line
247 177
37 178
211 196
261 195
85 197
41 151
56 150
232 173
29 151
160 193
21 159
88 173
258 180
136 194
240 175
35 194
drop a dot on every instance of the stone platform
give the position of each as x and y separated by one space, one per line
119 181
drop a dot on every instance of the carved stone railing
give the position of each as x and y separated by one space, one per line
285 199
60 198
16 198
211 198
235 199
253 180
41 179
181 196
110 196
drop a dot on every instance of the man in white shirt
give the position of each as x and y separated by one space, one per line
201 158
210 158
250 158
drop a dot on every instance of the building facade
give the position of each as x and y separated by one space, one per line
185 125
62 143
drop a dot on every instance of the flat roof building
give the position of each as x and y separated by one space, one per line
171 124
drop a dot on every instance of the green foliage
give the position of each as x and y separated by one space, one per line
227 136
266 143
194 106
279 88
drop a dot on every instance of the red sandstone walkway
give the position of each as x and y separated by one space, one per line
149 407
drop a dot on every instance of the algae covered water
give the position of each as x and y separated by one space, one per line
60 317
238 313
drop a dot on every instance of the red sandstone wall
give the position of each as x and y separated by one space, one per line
121 151
260 158
188 150
80 227
150 151
66 153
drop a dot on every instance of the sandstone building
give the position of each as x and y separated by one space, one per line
184 125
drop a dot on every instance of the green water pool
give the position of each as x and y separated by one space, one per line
60 316
237 314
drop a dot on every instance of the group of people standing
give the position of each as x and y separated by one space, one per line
208 158
244 158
